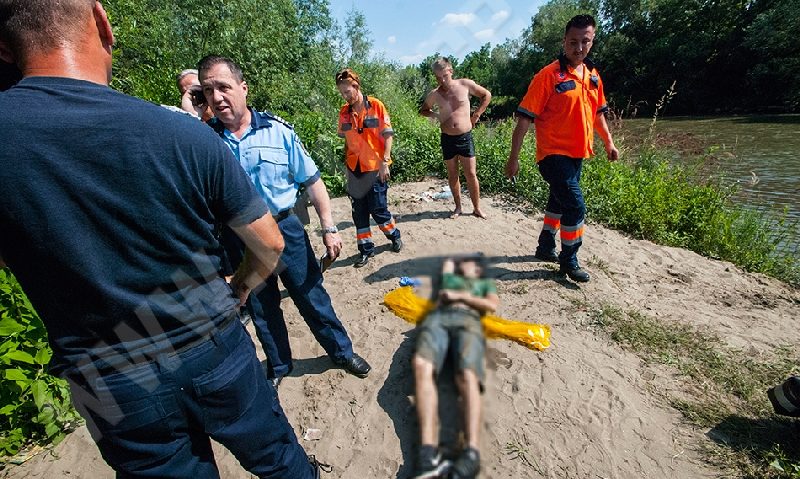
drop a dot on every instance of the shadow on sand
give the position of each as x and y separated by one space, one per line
759 436
395 397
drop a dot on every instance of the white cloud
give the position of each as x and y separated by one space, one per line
484 34
457 19
500 16
392 40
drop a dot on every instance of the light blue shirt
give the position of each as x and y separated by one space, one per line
273 157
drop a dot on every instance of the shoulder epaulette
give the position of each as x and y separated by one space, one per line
269 116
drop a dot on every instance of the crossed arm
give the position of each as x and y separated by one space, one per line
484 305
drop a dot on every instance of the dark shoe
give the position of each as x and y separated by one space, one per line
397 245
319 466
356 365
468 464
364 259
785 397
430 463
579 275
548 257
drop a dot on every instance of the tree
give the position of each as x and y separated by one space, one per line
358 37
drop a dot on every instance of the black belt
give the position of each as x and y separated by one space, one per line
283 215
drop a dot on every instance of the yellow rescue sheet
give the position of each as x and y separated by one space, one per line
406 304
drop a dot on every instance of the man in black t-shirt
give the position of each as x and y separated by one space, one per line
107 218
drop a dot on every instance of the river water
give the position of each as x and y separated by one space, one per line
759 154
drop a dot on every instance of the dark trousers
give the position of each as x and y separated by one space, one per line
155 419
299 272
374 203
565 208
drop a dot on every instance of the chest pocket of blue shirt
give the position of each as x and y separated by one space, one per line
273 167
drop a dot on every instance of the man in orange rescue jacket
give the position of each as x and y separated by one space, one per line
565 101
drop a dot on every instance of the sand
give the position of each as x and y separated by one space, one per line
585 408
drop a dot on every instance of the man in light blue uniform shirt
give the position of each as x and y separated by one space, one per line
276 162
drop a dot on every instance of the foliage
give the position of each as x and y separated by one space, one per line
34 406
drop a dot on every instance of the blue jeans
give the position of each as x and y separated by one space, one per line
155 419
373 203
300 274
565 202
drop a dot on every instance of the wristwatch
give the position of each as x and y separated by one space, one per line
330 229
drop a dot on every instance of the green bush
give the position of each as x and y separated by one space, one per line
34 406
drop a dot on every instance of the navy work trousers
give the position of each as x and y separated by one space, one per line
299 272
373 203
154 419
566 204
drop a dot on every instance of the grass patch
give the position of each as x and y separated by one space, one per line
724 389
518 451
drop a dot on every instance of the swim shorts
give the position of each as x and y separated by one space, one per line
453 145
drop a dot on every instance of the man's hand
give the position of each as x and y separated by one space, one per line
474 119
383 172
512 167
189 103
612 152
333 245
240 290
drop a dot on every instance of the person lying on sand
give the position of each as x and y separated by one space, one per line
454 326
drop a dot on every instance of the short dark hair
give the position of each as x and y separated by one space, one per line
441 64
30 26
208 61
580 21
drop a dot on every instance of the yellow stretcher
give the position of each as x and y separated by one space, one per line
405 303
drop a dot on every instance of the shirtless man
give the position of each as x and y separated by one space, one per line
453 112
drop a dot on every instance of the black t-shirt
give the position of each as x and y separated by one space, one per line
107 212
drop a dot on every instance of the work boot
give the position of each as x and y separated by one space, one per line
363 260
546 256
319 466
397 245
579 275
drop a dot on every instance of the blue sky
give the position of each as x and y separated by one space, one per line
407 31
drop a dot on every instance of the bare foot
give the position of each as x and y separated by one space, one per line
455 214
479 214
